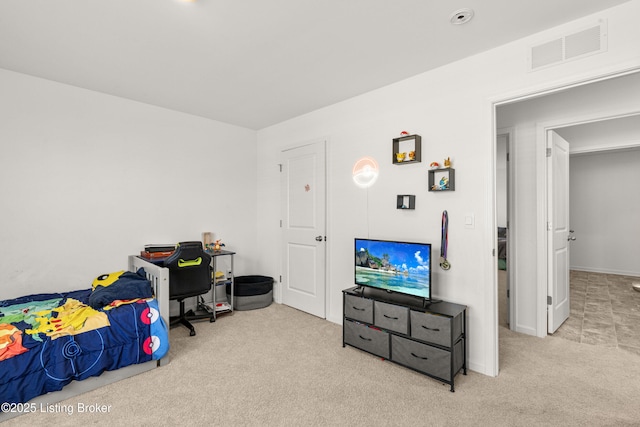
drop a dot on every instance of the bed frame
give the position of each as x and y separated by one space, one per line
159 278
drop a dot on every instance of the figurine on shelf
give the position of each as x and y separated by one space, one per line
412 155
444 183
218 245
447 162
400 157
404 133
434 165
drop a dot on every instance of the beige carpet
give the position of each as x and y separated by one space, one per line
278 366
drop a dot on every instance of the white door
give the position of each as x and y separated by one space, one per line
558 231
303 225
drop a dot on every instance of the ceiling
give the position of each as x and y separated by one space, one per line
254 63
620 133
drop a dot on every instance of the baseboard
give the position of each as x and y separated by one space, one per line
606 271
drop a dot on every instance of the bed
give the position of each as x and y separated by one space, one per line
57 345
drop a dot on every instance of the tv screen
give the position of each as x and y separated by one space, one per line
394 266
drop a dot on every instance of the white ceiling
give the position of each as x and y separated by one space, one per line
621 132
254 63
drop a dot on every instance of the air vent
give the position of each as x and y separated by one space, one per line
585 42
547 54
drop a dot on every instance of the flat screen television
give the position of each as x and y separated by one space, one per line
394 266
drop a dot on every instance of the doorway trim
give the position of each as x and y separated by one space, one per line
620 70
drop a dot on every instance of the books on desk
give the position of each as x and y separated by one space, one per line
159 248
157 251
155 255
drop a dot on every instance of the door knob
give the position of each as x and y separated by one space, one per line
571 238
319 238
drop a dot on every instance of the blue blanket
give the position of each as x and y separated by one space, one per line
136 334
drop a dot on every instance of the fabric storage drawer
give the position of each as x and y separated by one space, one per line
358 308
421 357
392 317
431 328
368 339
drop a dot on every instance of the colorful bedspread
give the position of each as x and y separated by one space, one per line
49 340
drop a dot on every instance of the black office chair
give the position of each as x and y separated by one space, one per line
189 276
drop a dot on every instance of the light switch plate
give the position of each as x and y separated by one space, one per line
469 221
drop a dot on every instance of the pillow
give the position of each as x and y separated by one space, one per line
106 279
121 285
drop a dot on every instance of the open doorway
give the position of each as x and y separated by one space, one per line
527 198
605 167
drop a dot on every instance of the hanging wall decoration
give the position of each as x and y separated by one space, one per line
444 242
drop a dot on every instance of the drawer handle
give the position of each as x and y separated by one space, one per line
359 309
419 357
389 317
431 329
364 338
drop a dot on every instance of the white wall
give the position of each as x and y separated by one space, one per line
605 202
451 107
87 178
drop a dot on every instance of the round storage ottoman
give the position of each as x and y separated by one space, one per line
251 292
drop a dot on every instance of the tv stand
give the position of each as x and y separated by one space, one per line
425 336
429 302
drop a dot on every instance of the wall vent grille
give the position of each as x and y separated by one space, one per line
587 41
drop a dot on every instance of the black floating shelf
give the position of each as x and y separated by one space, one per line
406 145
437 175
406 201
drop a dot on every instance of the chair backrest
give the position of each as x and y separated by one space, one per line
189 270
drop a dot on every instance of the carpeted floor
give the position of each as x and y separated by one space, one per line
281 367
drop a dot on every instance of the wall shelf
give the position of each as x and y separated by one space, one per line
443 179
407 145
406 201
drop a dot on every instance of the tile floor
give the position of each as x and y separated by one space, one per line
605 311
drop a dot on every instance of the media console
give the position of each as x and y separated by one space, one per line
428 338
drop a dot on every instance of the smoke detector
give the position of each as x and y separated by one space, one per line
461 16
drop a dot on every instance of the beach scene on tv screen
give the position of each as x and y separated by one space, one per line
394 266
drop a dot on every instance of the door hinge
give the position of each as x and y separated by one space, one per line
507 157
508 293
548 152
549 300
280 165
280 223
493 252
280 278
